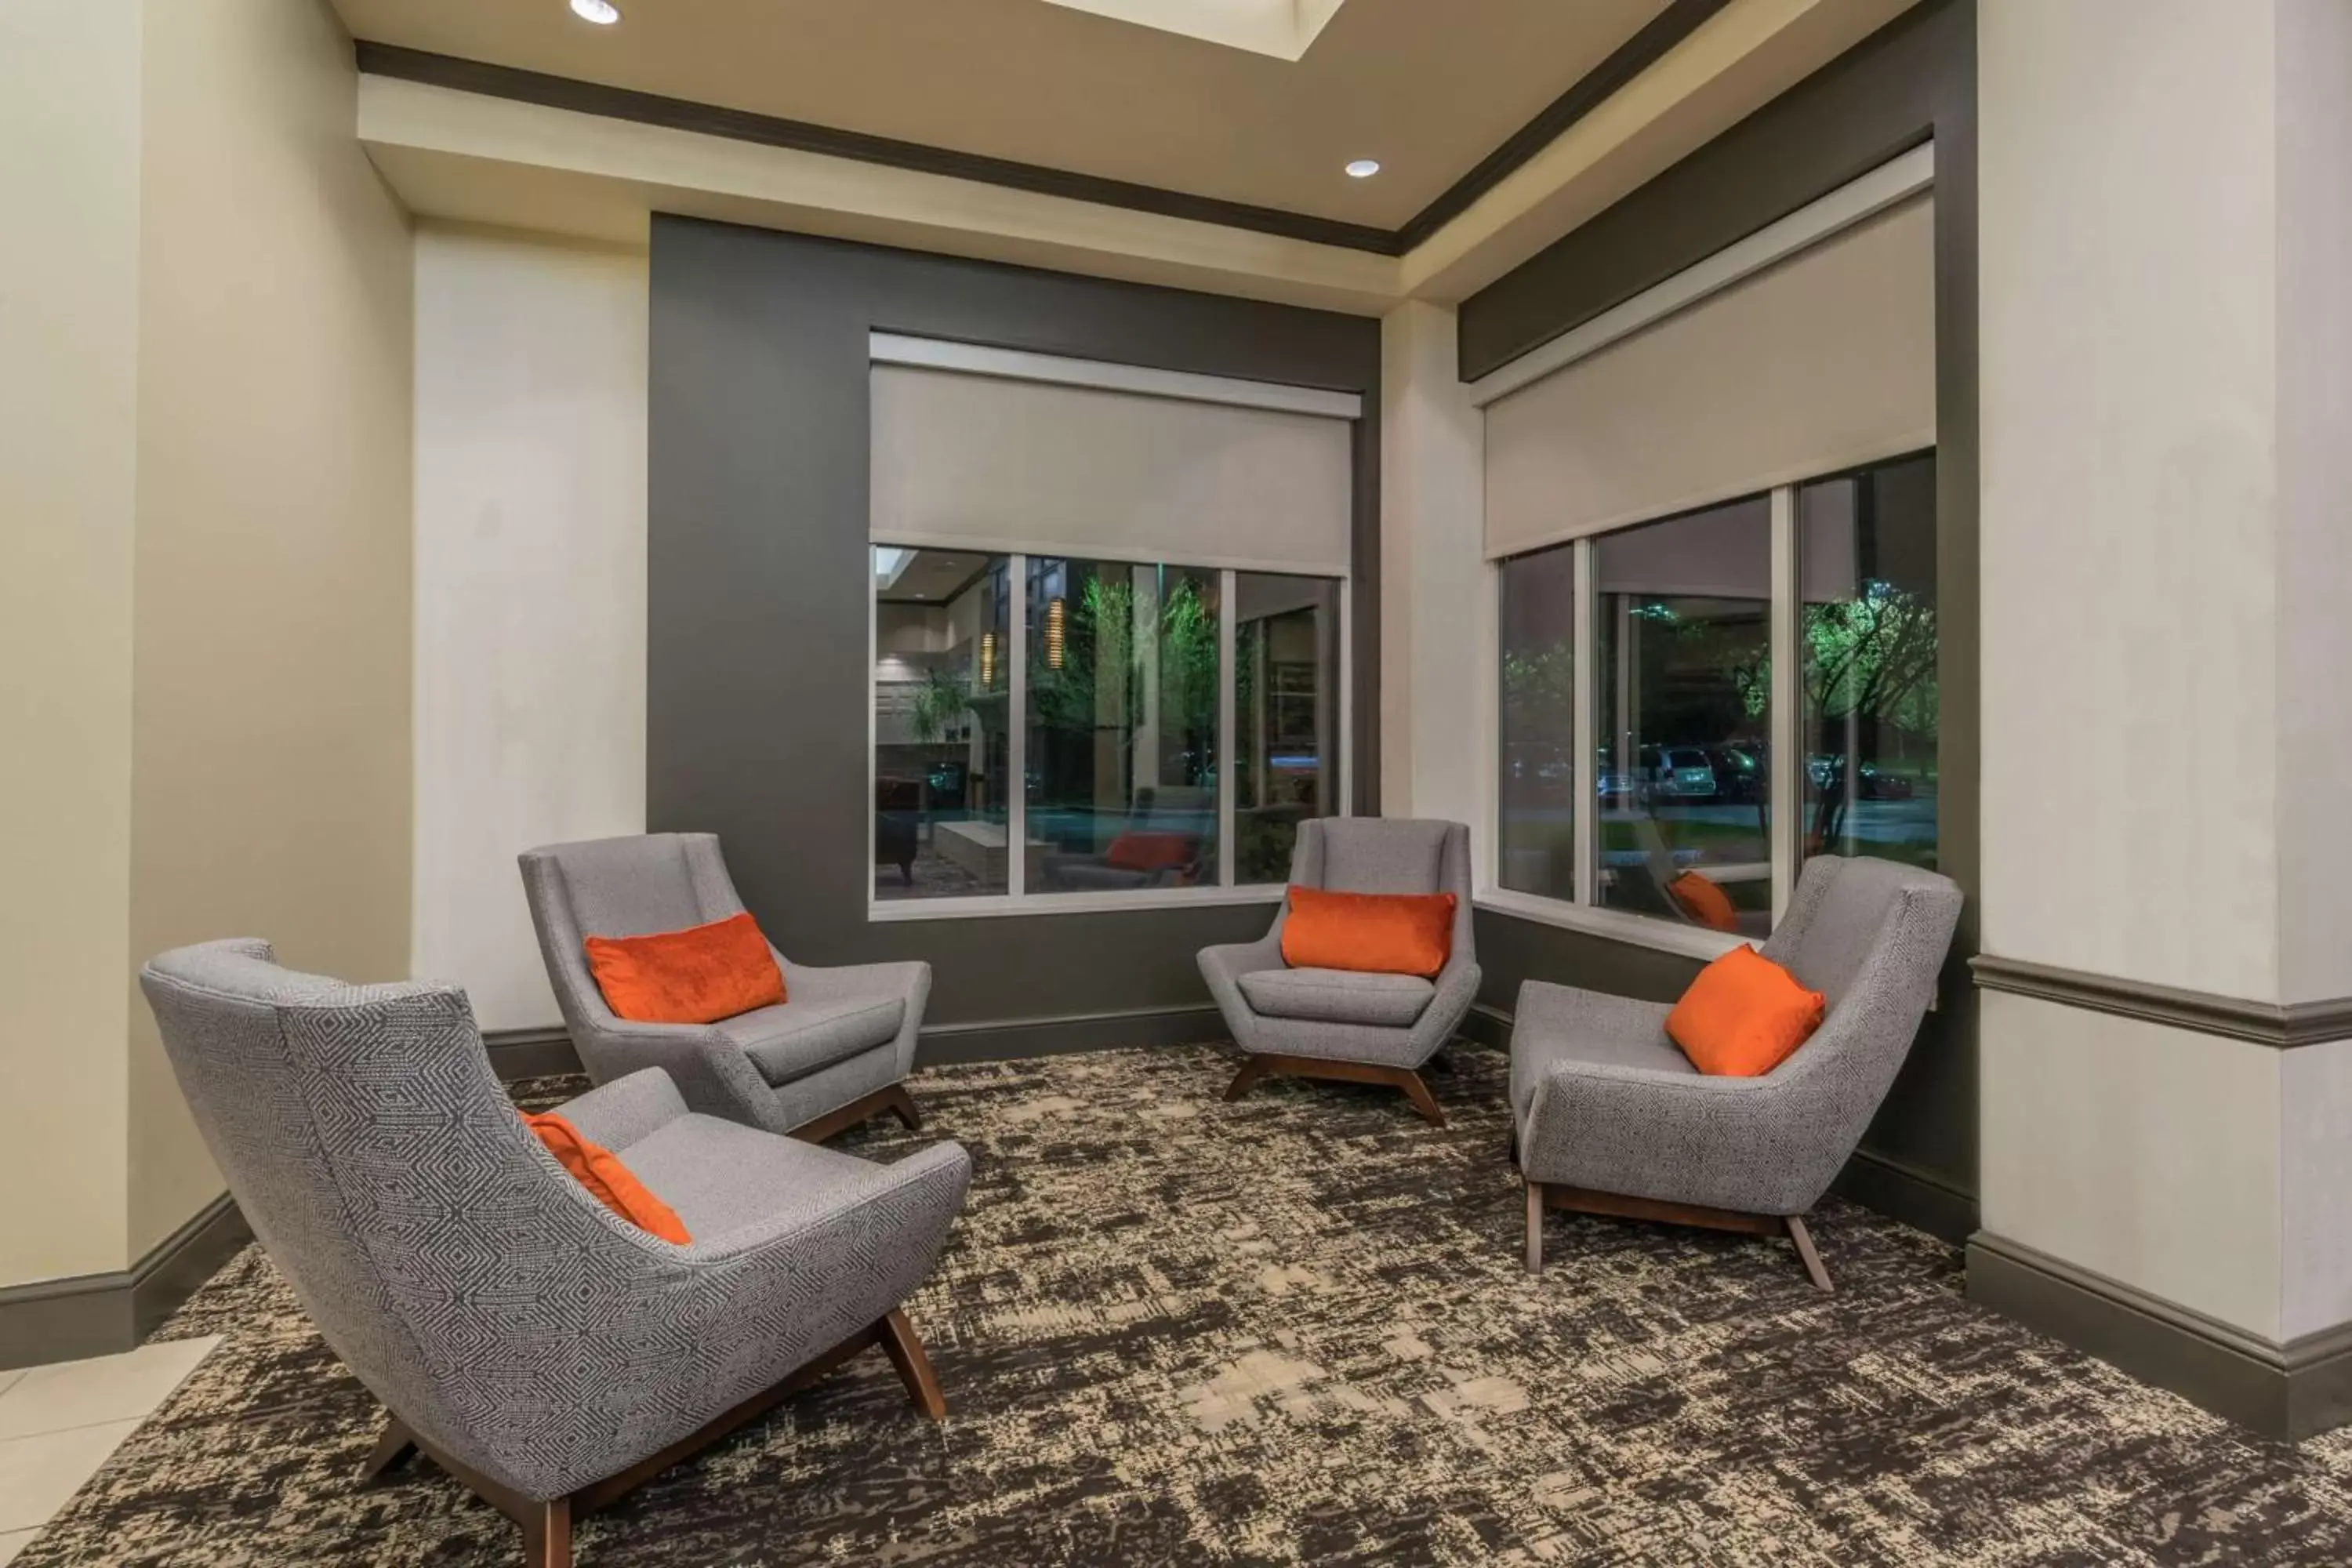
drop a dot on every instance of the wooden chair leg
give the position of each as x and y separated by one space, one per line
1245 1079
547 1534
1417 1091
1813 1260
906 1352
394 1446
1535 1227
900 1104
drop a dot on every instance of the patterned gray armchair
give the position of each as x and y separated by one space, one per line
543 1351
1610 1118
1342 1023
830 1057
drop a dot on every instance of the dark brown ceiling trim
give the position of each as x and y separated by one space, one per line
740 125
2280 1027
1669 26
1662 32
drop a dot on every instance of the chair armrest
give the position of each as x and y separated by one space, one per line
710 1071
1457 988
919 1196
1230 962
626 1109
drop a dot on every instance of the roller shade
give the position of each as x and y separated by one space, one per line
1821 363
991 462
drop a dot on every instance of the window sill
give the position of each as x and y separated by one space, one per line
1634 931
998 906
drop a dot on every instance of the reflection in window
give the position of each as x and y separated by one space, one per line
1122 726
941 681
1683 683
1286 716
1867 566
1535 778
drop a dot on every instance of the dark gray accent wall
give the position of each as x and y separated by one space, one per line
757 512
1913 81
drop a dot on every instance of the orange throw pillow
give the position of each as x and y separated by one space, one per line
697 975
610 1182
1383 933
1743 1016
1151 851
1703 899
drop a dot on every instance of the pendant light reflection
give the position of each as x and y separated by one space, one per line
1054 618
988 661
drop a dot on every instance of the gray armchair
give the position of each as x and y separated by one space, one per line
831 1056
1343 1024
543 1351
1610 1118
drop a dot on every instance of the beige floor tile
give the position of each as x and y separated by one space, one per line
37 1474
13 1542
125 1387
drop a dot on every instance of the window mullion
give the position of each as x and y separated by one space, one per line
1583 777
1786 698
1225 772
1016 738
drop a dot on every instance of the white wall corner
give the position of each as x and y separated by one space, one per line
1433 604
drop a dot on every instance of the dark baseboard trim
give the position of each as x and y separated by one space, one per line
1903 1192
2286 1392
1008 1039
2282 1027
103 1314
543 1052
1487 1025
547 1052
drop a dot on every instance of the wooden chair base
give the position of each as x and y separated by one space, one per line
547 1522
1263 1065
893 1099
1542 1195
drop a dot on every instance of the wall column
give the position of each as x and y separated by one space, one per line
2167 1122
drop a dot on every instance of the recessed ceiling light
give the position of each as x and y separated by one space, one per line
603 13
1363 168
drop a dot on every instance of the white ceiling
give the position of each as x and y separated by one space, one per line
1426 86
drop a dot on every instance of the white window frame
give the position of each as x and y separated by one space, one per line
1018 900
1583 911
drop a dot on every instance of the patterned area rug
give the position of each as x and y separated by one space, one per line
1293 1330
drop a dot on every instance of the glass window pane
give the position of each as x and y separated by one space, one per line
1866 565
1123 687
1286 716
942 681
1536 780
1683 683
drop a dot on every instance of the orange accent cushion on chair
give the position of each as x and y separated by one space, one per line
697 975
1703 899
1149 850
1743 1016
608 1181
1381 933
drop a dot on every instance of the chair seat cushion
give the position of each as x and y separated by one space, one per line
799 1037
721 1175
1558 1028
1338 995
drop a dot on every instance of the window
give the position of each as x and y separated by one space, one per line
1867 562
1776 650
1122 726
1682 697
1170 727
1287 719
942 674
1537 771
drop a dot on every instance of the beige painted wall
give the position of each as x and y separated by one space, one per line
270 737
69 359
531 589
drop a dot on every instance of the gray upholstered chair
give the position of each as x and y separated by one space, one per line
1342 1023
829 1057
539 1349
1610 1118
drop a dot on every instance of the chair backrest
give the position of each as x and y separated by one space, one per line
1389 855
618 887
377 1159
1856 920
